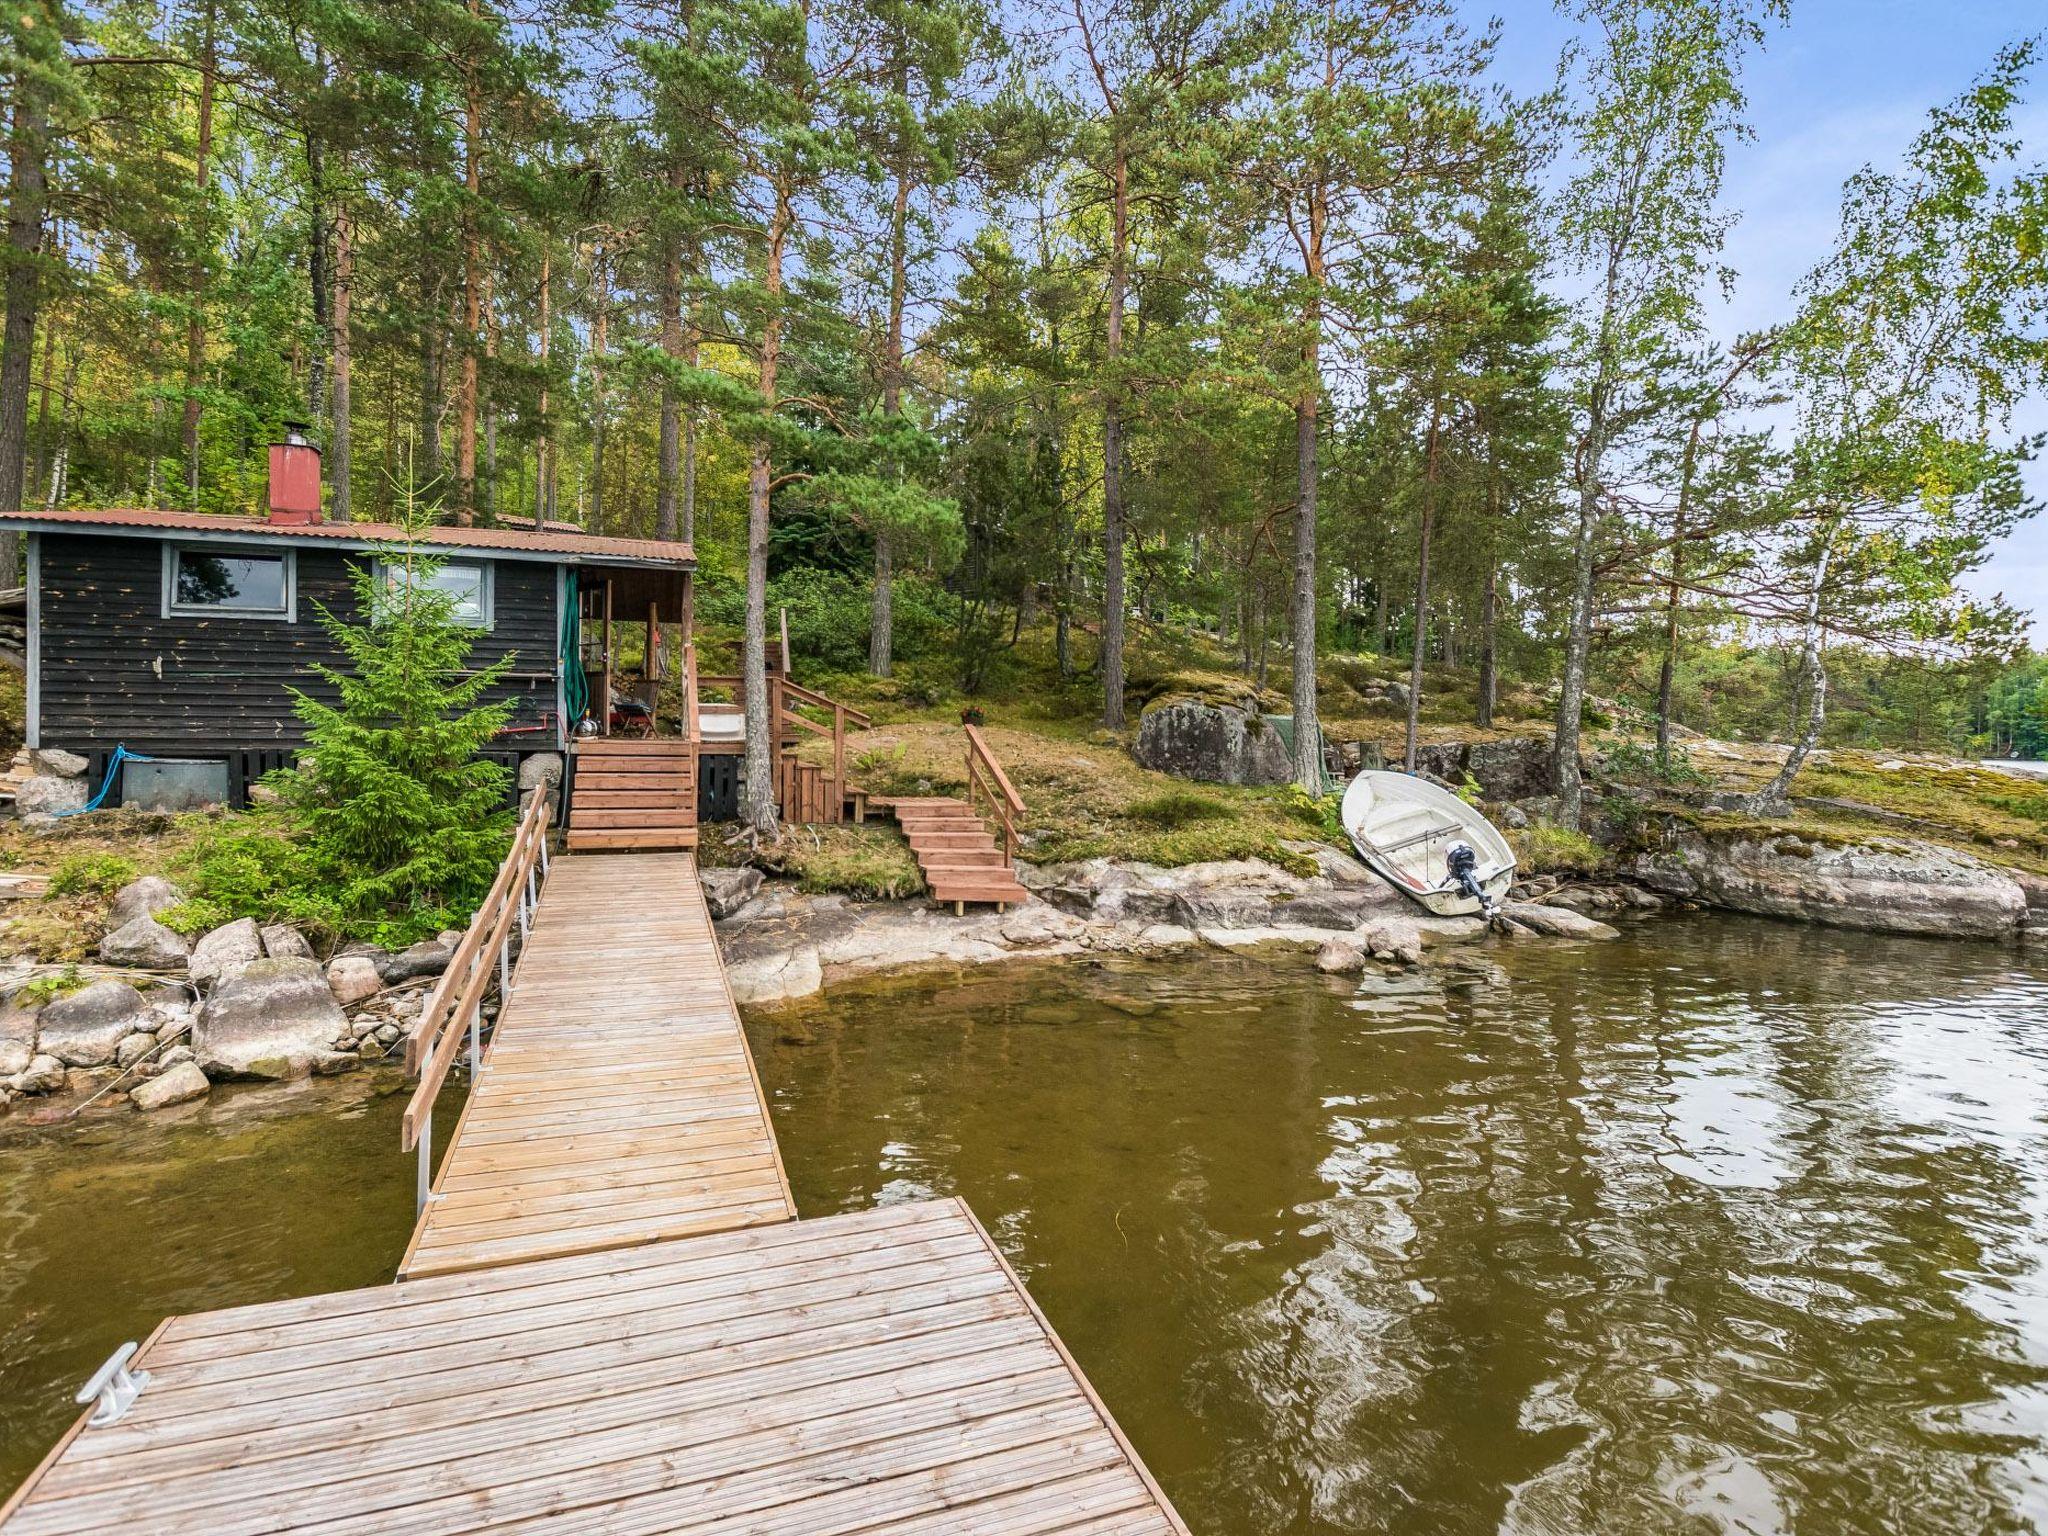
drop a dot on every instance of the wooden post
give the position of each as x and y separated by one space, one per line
837 809
604 704
654 668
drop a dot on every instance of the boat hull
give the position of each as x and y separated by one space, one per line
1403 828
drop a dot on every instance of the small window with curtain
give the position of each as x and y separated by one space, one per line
467 582
208 582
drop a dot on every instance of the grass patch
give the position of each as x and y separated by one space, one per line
50 986
1543 849
867 863
1175 809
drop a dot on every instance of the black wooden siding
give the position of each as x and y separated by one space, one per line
225 681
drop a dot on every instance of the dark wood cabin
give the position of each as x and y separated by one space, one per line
180 635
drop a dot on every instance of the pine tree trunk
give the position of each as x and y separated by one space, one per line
1429 481
668 473
1302 610
26 150
760 809
466 394
1489 648
195 322
1112 652
45 441
429 461
318 278
341 435
600 407
882 616
544 447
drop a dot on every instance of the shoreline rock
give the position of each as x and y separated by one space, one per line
1903 886
783 945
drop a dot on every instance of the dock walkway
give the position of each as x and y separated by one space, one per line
564 1355
619 1103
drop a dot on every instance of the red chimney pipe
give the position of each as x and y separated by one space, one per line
294 479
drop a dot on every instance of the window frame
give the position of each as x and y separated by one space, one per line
175 550
487 587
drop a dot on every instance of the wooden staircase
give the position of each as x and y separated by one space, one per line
633 793
957 853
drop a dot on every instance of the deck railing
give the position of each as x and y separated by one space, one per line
985 776
786 727
454 1009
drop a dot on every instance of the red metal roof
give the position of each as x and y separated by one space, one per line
555 539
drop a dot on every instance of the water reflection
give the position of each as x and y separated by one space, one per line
1726 1227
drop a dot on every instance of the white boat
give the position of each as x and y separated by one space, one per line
1427 843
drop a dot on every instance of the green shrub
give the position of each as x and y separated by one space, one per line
92 874
48 987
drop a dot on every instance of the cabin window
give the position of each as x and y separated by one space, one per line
230 583
468 582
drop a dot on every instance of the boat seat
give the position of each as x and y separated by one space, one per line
1436 830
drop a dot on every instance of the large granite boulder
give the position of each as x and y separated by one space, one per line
225 950
1885 887
142 898
145 945
269 1019
351 978
1215 743
84 1029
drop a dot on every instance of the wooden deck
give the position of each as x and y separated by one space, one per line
562 1359
876 1372
618 1103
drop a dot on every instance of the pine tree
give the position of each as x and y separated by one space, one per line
402 814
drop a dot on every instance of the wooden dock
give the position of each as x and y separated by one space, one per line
561 1357
619 1104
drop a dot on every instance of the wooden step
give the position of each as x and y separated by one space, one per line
963 859
623 837
1004 893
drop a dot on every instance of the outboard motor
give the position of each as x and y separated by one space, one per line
1461 860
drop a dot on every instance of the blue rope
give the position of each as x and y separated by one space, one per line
121 755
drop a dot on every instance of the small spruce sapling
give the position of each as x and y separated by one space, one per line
403 818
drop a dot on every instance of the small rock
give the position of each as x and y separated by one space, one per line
388 1033
133 1048
1037 923
334 1063
727 890
540 770
353 977
15 1055
369 1049
224 951
83 1029
44 1074
144 944
142 898
1340 957
1398 939
45 794
1558 922
1514 818
281 941
429 957
449 939
171 1058
57 762
177 1084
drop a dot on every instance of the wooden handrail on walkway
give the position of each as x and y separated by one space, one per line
457 998
985 775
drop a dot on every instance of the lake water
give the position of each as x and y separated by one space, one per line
1727 1226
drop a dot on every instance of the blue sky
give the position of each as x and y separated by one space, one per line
1847 82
